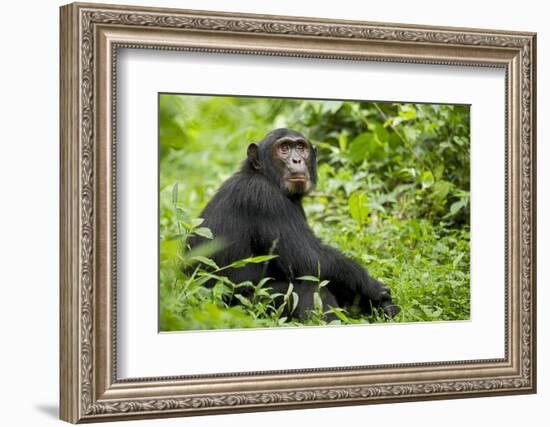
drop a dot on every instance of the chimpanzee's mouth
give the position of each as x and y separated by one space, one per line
298 178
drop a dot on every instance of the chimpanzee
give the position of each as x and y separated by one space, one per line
259 211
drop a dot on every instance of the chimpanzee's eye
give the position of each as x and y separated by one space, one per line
301 146
284 148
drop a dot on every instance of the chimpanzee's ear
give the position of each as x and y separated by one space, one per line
253 156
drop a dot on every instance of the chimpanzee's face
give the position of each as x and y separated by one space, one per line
286 158
291 158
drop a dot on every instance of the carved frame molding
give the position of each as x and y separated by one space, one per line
90 37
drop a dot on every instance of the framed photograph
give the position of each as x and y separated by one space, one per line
266 212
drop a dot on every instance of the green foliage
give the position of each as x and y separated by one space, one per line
393 194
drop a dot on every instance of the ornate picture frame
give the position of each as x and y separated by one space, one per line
90 37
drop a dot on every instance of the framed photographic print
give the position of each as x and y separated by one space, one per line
266 212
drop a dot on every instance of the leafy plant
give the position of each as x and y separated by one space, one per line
393 193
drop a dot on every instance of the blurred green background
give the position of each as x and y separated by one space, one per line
393 194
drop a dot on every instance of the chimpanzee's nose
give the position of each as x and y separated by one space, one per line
297 160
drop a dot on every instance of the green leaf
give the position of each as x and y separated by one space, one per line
252 260
407 111
308 278
195 222
343 141
380 132
456 207
360 146
457 260
244 301
261 258
206 261
432 313
331 106
288 291
405 173
245 284
262 282
175 193
317 302
427 179
460 140
442 188
411 134
169 249
295 300
340 314
203 232
281 321
358 207
397 120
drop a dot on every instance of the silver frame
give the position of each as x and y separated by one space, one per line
90 37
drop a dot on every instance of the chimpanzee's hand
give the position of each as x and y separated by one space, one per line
386 303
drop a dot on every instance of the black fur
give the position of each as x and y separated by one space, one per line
254 215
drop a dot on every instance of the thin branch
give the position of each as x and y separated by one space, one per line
401 137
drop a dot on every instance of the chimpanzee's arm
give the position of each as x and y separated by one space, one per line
301 253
